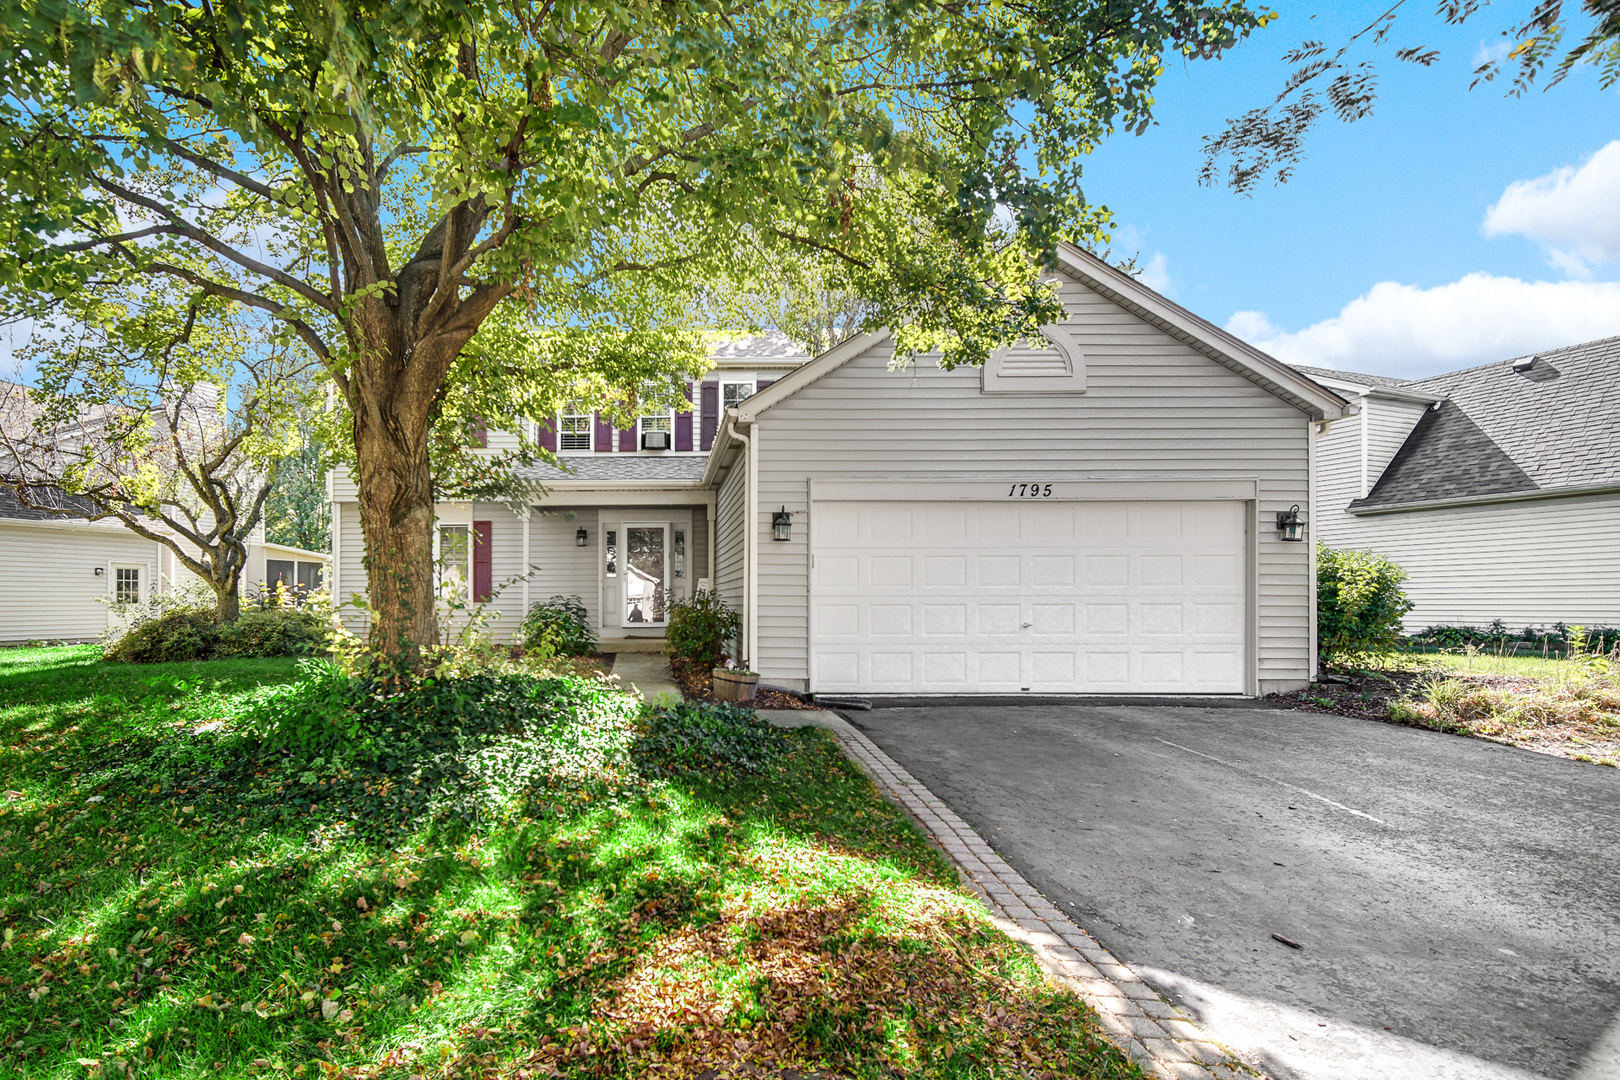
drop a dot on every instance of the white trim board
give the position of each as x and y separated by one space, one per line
1064 488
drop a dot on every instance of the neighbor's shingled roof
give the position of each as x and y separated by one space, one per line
1383 381
1501 431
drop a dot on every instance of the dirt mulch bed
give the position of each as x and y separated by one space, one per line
1514 710
698 686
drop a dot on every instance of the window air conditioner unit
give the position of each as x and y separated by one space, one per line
655 440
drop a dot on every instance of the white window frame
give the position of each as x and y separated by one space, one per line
751 383
438 565
667 417
142 573
590 433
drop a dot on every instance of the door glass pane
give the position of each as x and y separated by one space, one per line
643 575
127 584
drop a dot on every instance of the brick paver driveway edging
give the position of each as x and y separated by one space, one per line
1155 1034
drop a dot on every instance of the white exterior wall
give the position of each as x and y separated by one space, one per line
731 536
51 592
1153 408
1389 422
1529 563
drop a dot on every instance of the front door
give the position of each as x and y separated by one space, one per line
646 573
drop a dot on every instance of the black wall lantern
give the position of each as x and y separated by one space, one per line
580 537
781 524
1289 527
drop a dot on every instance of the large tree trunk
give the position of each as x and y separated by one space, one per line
227 600
397 516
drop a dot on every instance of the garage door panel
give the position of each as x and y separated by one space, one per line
1044 597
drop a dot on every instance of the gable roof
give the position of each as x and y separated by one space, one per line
771 345
1552 427
1285 382
1383 382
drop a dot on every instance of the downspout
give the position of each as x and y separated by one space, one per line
750 549
1311 436
708 508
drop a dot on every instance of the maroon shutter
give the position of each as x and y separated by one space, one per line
546 434
627 439
762 385
604 435
478 431
683 425
483 583
710 415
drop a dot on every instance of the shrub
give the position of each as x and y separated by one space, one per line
698 736
190 633
698 630
272 631
1359 602
558 627
186 634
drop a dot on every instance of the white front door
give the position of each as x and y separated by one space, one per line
645 572
1058 597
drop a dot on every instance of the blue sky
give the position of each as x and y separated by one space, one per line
1377 256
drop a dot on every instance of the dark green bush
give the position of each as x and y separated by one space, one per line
699 630
1359 602
187 634
287 631
702 737
558 627
192 634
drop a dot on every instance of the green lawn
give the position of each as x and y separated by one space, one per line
172 905
1488 663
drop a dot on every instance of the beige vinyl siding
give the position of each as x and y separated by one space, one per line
697 559
51 591
731 535
1389 422
560 566
351 570
506 568
1338 474
1153 407
1528 563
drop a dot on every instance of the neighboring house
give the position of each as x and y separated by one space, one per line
63 564
1099 516
1497 489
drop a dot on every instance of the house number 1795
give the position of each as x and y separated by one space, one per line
1030 491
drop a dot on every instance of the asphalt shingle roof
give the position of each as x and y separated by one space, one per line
771 345
12 508
1555 425
687 467
1353 376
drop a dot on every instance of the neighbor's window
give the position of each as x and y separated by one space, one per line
455 560
127 584
732 393
574 431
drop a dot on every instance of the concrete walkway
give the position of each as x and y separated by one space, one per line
648 674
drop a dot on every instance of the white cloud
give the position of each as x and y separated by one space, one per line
1156 275
1573 213
1410 332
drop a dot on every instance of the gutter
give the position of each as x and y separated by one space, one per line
750 547
1486 500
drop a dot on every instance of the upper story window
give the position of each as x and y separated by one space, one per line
574 431
733 392
656 432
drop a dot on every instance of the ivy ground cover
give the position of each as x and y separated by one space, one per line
578 890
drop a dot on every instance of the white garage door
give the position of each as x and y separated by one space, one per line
1051 597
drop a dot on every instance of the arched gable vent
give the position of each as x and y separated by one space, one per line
1024 368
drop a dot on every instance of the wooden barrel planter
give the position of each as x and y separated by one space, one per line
734 685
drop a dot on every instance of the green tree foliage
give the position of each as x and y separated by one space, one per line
1359 602
298 512
466 209
165 410
1343 79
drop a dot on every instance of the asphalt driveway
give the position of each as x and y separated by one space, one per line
1458 902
